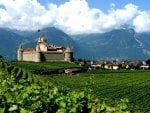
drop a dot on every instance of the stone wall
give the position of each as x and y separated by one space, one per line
52 56
29 56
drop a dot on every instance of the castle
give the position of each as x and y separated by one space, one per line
45 52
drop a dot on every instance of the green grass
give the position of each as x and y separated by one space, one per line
31 66
113 85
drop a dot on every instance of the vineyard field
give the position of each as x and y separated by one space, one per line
23 92
31 66
108 84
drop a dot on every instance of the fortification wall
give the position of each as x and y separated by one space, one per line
44 56
52 56
29 56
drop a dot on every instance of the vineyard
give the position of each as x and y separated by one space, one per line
20 92
31 66
110 85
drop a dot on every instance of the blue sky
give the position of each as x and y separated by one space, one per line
75 16
105 4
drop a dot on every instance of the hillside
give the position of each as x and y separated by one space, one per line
116 44
9 42
122 43
13 38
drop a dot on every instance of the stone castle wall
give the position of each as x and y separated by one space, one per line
52 56
29 56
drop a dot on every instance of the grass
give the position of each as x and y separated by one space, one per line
31 66
113 85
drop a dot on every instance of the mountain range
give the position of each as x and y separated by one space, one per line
123 43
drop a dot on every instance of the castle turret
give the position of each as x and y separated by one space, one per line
68 54
38 54
20 53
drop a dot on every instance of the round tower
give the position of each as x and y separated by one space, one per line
20 53
38 54
68 54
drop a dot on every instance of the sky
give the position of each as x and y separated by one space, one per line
75 16
105 4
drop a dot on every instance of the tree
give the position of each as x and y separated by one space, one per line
148 61
1 57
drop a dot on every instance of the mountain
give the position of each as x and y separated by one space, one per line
117 44
53 35
13 38
123 43
9 42
144 38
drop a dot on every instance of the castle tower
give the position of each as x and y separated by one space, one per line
42 44
68 54
20 53
38 54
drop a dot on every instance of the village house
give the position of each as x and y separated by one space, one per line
110 64
132 64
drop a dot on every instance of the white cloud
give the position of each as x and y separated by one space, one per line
142 22
116 18
4 18
74 16
22 14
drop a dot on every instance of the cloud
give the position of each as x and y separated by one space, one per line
73 17
142 22
22 14
116 18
